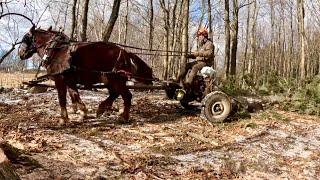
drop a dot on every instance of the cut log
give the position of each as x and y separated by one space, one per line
6 171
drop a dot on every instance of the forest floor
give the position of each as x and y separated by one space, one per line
163 141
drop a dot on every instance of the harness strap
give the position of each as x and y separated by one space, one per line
46 77
117 61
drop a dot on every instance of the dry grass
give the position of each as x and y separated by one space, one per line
15 79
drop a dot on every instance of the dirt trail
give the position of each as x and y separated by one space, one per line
164 141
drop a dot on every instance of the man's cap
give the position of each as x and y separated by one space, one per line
203 31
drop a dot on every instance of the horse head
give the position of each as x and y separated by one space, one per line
36 40
28 46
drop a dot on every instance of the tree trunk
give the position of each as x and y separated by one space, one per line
291 51
253 41
126 22
178 40
166 18
272 47
185 30
112 20
245 60
119 29
284 68
173 38
234 38
74 20
85 21
227 37
210 20
203 12
300 4
151 29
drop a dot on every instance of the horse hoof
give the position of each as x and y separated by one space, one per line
62 122
99 113
83 115
123 119
74 109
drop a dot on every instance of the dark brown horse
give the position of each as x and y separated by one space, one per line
85 63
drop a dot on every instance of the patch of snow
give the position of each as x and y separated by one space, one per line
10 101
278 133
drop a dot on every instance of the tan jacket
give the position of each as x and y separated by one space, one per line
205 52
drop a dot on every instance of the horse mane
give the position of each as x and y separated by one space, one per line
53 32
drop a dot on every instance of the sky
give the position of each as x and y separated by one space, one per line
16 27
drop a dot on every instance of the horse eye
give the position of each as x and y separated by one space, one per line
27 39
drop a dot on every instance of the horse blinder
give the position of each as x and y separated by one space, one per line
27 47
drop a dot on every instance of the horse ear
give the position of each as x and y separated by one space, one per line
32 29
50 28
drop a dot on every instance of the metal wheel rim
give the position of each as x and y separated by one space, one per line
217 108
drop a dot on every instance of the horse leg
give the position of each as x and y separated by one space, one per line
73 100
107 104
62 92
74 94
126 96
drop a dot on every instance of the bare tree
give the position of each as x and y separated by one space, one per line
126 22
74 20
234 37
227 37
151 27
253 37
166 19
112 20
85 20
185 29
210 19
302 35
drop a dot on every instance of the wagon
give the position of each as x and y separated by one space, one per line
215 104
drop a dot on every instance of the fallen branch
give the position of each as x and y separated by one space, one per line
139 133
13 46
201 138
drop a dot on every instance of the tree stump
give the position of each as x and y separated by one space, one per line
6 171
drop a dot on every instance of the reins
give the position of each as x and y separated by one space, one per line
68 42
152 50
177 53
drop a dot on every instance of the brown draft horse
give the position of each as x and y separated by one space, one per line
85 63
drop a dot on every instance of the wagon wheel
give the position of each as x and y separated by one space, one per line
216 107
171 89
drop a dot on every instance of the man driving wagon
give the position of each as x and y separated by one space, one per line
204 57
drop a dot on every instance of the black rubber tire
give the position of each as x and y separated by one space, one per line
170 90
184 103
216 107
